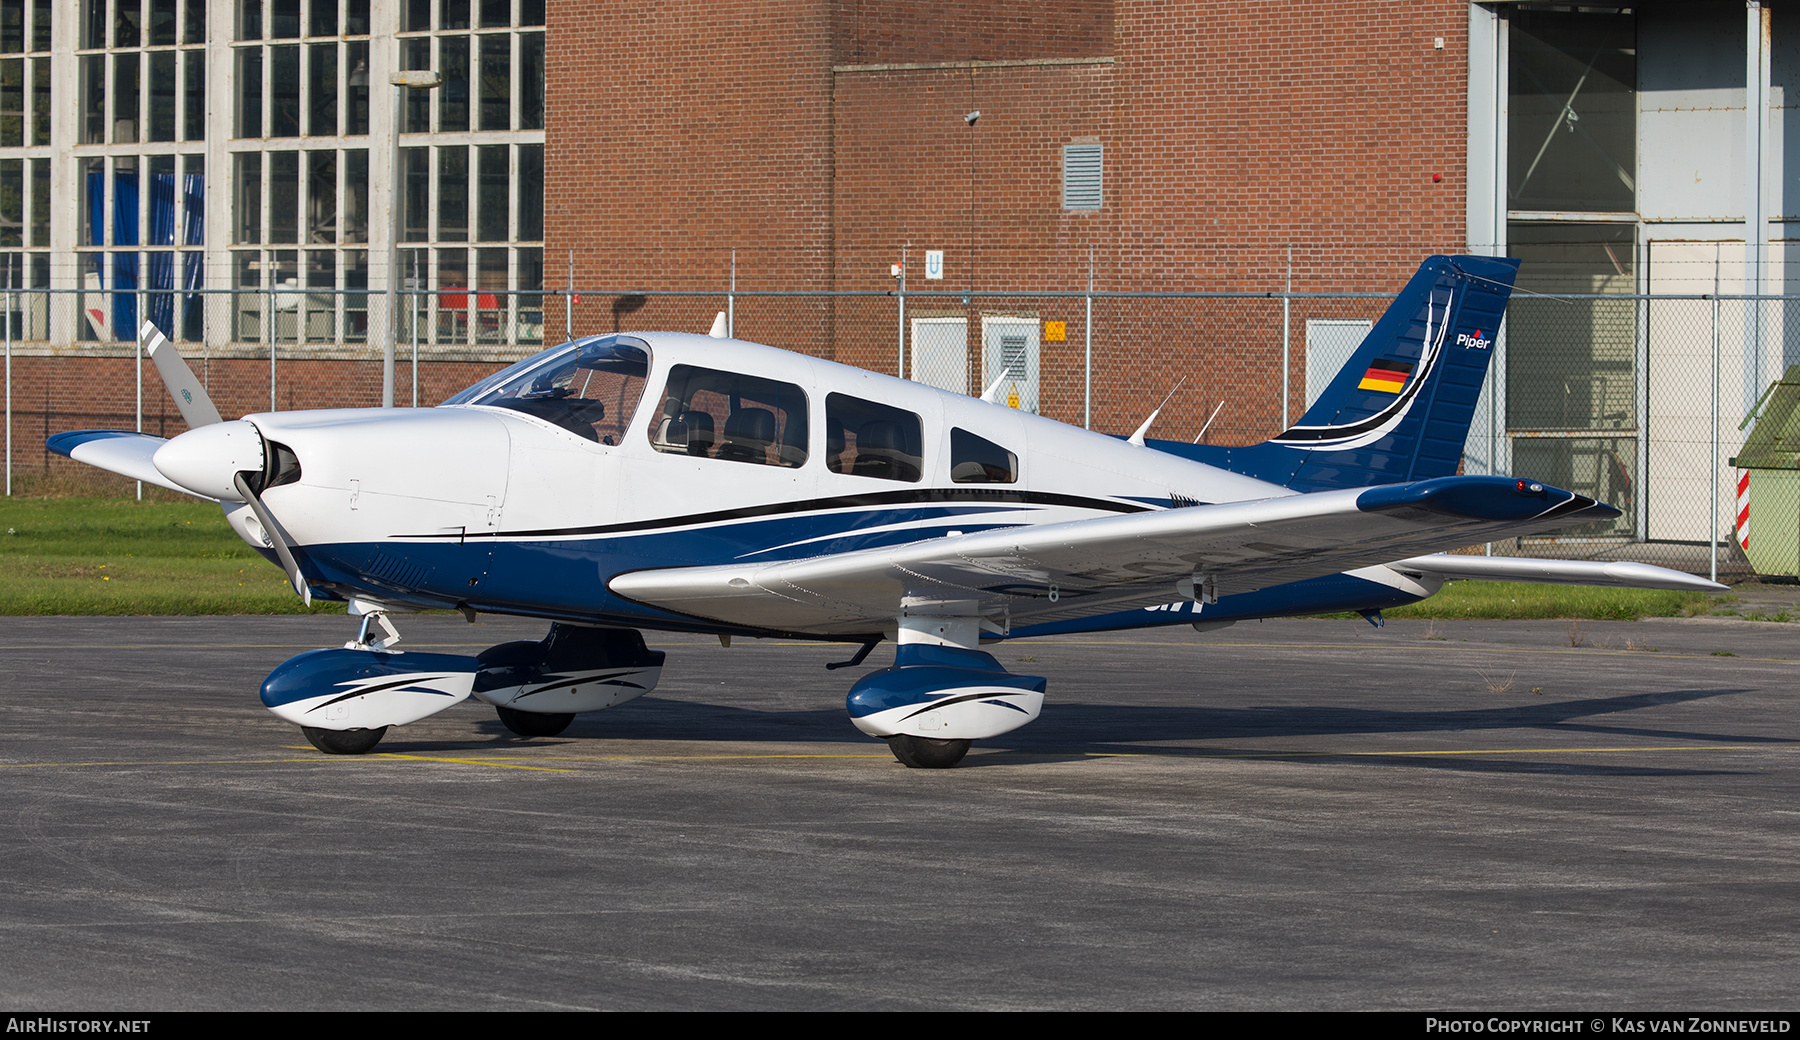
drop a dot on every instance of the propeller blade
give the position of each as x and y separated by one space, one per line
277 539
191 398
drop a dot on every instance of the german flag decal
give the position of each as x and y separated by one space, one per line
1386 377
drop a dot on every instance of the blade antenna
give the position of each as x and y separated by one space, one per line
1138 437
1209 419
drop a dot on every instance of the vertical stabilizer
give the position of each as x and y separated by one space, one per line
1400 409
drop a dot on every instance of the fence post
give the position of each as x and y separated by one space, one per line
569 301
1087 356
269 329
1712 462
900 329
731 300
9 430
1641 405
137 357
1287 299
414 297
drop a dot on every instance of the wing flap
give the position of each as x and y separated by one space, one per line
1078 569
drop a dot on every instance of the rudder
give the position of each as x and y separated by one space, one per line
1400 409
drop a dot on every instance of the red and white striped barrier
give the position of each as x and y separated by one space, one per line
1743 509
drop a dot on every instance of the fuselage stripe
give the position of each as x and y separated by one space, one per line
911 497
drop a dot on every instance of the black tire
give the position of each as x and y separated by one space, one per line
533 724
344 741
926 753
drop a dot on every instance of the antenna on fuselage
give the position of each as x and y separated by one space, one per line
718 327
1209 420
1138 437
992 394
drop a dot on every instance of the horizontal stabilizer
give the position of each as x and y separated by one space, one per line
117 451
1616 573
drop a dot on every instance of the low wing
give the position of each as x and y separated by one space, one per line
1615 573
117 451
1056 572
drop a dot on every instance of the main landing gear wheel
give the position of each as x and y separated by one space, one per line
533 724
343 741
926 753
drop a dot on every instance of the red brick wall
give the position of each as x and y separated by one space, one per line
893 31
1232 132
1247 126
678 131
911 171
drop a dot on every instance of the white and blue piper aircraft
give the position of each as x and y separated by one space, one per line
677 482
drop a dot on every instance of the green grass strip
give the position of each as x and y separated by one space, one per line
122 556
174 555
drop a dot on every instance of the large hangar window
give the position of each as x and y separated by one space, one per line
1572 110
1572 194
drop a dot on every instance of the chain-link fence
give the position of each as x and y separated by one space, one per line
1634 399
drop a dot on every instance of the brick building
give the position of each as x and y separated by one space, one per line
819 138
1243 146
1184 146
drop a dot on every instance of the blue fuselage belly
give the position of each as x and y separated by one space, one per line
566 577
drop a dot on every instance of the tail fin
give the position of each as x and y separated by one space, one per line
1400 409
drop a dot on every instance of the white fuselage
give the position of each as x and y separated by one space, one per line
385 494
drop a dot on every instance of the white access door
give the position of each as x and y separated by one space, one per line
1330 342
940 353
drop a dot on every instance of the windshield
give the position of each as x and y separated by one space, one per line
590 387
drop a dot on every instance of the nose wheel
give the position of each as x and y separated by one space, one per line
926 753
344 741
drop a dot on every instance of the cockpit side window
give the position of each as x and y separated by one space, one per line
726 415
591 387
866 439
977 460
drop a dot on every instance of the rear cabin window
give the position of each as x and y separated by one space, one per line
865 439
977 460
725 415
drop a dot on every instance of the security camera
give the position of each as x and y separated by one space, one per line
971 117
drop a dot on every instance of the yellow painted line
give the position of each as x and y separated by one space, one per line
314 759
472 762
1500 751
167 762
700 758
1200 753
